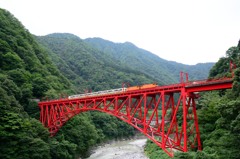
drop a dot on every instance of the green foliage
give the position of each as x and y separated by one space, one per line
22 78
40 86
87 129
222 67
10 87
153 151
208 114
22 58
81 64
219 113
236 84
110 126
182 155
19 76
62 149
129 56
21 137
28 74
11 61
80 131
226 132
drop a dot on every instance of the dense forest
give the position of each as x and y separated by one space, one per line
127 54
73 56
79 63
33 67
28 74
218 115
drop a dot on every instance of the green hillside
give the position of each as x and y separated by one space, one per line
123 62
218 116
28 74
86 67
127 54
26 70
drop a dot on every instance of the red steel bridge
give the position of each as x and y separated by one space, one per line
165 114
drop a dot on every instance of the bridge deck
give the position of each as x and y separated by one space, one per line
190 87
209 85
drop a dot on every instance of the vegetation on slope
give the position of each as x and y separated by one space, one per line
77 62
26 75
128 55
218 115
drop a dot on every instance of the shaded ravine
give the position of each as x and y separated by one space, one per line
128 149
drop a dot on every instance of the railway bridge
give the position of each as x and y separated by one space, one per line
165 114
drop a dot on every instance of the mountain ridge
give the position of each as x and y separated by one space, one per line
132 44
151 62
86 68
126 56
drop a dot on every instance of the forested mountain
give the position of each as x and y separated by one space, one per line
127 54
27 74
86 67
73 56
218 116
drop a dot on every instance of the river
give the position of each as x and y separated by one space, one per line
128 149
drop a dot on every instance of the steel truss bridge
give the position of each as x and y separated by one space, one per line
165 114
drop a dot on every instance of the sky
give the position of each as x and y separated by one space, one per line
185 31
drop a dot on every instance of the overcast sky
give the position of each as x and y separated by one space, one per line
186 31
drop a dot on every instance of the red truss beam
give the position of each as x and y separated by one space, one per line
165 114
156 115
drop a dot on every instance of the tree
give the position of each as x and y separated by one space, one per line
18 139
40 86
81 132
11 61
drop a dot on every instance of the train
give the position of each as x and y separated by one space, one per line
113 91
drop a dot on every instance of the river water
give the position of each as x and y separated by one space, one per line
128 149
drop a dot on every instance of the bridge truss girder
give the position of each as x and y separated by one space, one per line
166 117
